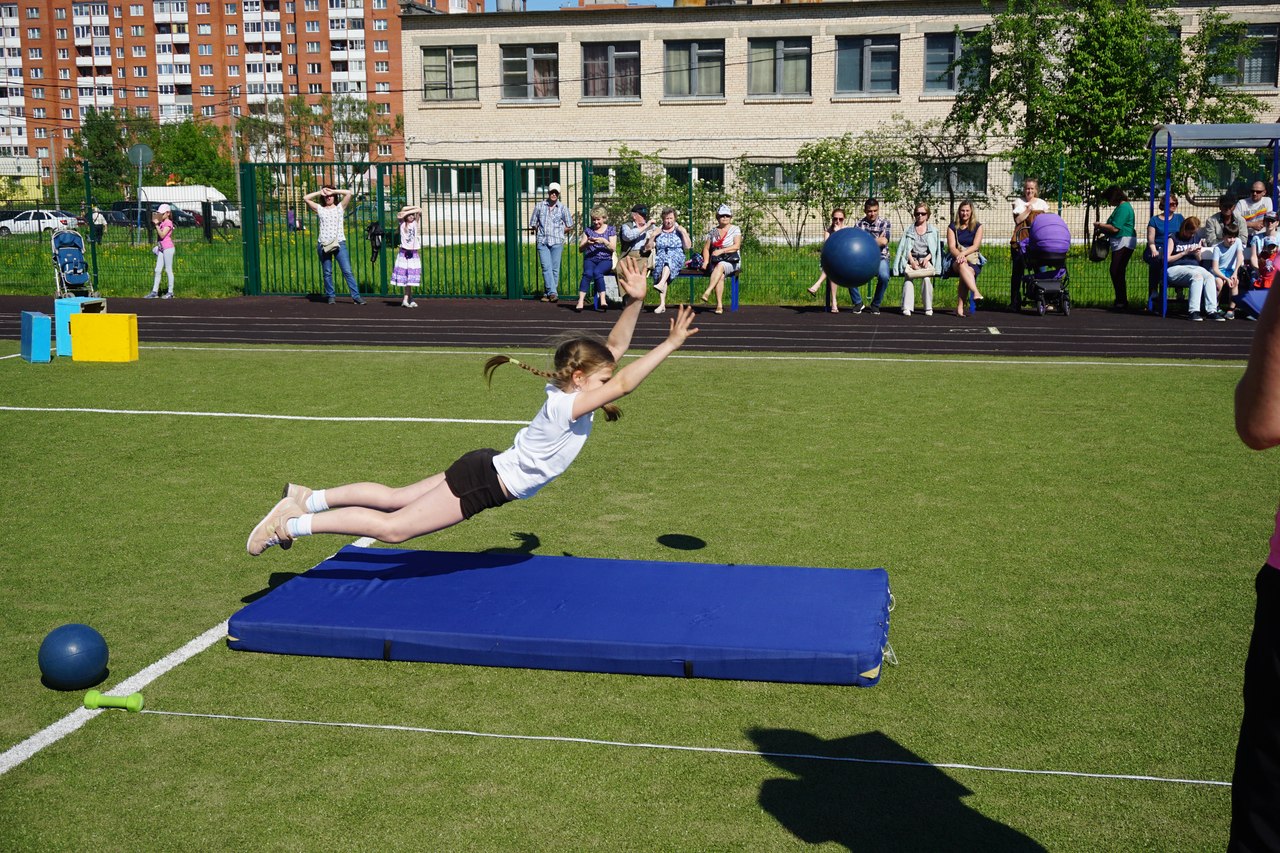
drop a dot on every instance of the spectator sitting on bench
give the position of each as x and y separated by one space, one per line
720 256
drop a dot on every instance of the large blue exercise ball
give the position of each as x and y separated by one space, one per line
850 257
73 657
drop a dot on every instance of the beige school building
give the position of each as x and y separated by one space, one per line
712 82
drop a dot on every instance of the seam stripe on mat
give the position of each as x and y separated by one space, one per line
710 749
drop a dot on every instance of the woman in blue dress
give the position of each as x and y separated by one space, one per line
669 247
964 240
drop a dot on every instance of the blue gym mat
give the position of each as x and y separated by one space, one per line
757 623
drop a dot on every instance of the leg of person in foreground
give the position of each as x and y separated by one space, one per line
397 514
1255 785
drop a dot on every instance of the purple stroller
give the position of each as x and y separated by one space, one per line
1046 281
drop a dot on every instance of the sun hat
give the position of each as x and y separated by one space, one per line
554 188
642 209
407 209
164 208
724 210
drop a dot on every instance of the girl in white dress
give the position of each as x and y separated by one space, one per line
408 269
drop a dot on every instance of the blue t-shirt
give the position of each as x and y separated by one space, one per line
1164 230
1227 257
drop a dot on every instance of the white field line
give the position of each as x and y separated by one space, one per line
255 415
705 749
1046 361
19 753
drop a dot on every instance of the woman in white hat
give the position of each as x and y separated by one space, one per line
408 268
163 250
720 254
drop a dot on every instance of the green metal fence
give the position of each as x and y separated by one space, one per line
475 215
476 243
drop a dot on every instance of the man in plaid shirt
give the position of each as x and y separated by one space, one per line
878 228
552 222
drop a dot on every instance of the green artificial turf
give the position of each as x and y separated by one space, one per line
1071 548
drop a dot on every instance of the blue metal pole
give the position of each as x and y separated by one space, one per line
1168 187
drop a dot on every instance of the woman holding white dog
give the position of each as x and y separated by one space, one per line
918 256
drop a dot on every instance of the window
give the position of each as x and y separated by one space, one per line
381 46
867 64
233 70
33 12
445 180
317 150
137 31
777 177
538 178
143 112
35 73
37 112
381 67
233 50
313 88
778 66
60 33
202 8
449 74
940 51
384 150
206 91
382 88
712 176
35 53
382 109
135 9
233 30
379 23
229 8
312 26
1258 66
313 47
140 91
611 70
960 179
204 49
693 69
530 72
313 67
140 50
206 70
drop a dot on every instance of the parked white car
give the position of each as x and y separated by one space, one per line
35 221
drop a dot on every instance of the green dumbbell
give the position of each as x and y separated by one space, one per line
93 699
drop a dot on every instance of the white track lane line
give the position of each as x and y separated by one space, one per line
706 749
256 416
19 753
1017 361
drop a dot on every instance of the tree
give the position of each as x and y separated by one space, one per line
103 141
1078 88
195 152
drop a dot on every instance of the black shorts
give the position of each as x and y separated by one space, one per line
474 481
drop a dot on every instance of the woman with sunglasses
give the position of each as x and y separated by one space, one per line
1159 230
964 242
837 222
918 250
720 256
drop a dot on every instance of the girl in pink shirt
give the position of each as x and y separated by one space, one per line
163 220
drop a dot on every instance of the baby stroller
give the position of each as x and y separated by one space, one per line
70 270
1045 280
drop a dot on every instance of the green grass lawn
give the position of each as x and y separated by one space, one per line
1071 548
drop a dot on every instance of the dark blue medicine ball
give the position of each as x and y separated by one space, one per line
73 657
850 257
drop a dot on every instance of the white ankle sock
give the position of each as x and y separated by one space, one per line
300 526
316 501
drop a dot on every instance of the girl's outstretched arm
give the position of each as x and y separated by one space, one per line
634 282
628 378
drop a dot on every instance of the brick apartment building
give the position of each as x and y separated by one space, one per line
211 60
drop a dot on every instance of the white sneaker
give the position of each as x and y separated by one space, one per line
906 312
659 309
413 305
272 530
929 313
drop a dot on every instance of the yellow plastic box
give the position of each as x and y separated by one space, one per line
104 337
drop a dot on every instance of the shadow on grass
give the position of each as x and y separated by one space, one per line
681 542
274 581
874 803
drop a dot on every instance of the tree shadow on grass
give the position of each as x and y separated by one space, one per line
875 803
